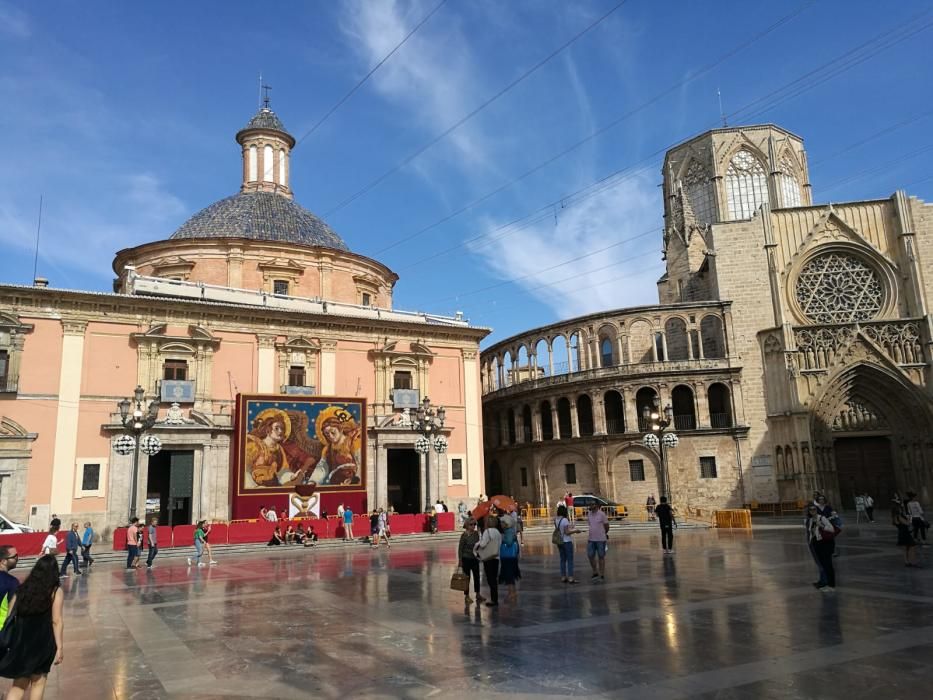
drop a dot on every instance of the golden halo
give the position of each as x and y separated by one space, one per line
278 414
338 413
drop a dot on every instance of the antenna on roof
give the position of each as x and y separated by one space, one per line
35 264
259 101
722 115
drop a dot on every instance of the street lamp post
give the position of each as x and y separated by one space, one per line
430 422
136 420
659 439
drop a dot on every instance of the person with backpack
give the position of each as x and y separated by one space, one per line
487 551
509 573
820 536
562 538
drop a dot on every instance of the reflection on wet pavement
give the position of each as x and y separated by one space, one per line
730 615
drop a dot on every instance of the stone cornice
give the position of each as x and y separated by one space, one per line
141 310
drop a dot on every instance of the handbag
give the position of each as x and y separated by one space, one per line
556 537
459 581
508 550
10 633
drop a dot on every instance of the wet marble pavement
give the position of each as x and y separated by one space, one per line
730 615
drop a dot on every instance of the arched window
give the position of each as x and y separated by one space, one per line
699 192
790 187
746 185
644 397
268 166
605 353
253 164
720 406
684 408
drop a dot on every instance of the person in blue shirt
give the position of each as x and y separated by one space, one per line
347 524
86 541
72 545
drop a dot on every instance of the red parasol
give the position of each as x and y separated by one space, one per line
481 510
503 503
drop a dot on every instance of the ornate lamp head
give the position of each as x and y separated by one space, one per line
650 440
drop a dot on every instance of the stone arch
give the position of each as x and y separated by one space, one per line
607 345
554 467
675 331
560 354
615 412
901 414
634 492
575 351
719 401
641 341
712 337
507 368
585 415
644 397
543 357
684 405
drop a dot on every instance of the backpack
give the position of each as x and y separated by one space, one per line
557 537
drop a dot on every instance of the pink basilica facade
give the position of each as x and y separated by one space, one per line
253 295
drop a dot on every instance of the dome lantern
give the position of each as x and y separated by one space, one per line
266 149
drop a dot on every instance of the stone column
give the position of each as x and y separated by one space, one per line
667 356
555 424
622 342
702 405
631 410
599 417
265 369
536 424
574 419
423 480
67 413
550 360
519 427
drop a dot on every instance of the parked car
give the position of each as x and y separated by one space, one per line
11 527
613 510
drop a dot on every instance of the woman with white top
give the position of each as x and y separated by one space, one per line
50 546
565 548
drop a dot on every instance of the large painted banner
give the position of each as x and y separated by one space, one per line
297 445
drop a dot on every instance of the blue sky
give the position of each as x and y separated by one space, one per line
122 115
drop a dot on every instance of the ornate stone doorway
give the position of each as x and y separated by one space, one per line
864 465
403 480
170 487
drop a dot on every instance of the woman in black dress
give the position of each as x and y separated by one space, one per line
37 639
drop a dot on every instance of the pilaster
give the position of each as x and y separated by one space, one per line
66 424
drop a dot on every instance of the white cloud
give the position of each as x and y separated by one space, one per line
81 236
623 275
14 22
433 76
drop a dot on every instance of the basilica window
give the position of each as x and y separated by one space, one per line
839 288
401 380
4 368
699 192
176 370
746 185
253 164
296 375
267 163
280 287
790 187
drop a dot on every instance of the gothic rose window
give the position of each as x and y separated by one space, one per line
839 288
746 185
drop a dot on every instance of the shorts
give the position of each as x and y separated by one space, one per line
594 549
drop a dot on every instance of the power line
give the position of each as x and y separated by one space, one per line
370 73
463 120
881 167
608 182
876 135
599 132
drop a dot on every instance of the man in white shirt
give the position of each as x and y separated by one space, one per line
870 508
438 507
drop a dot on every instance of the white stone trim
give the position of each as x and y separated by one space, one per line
101 490
66 425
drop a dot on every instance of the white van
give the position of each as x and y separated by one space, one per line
10 527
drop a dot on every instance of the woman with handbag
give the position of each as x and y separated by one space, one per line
487 551
820 534
563 529
468 561
33 631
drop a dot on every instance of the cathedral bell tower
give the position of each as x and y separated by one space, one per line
266 147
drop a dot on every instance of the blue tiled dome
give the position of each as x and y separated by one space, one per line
261 216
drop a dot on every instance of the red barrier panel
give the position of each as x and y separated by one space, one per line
219 532
183 536
242 533
445 522
119 539
29 544
163 535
